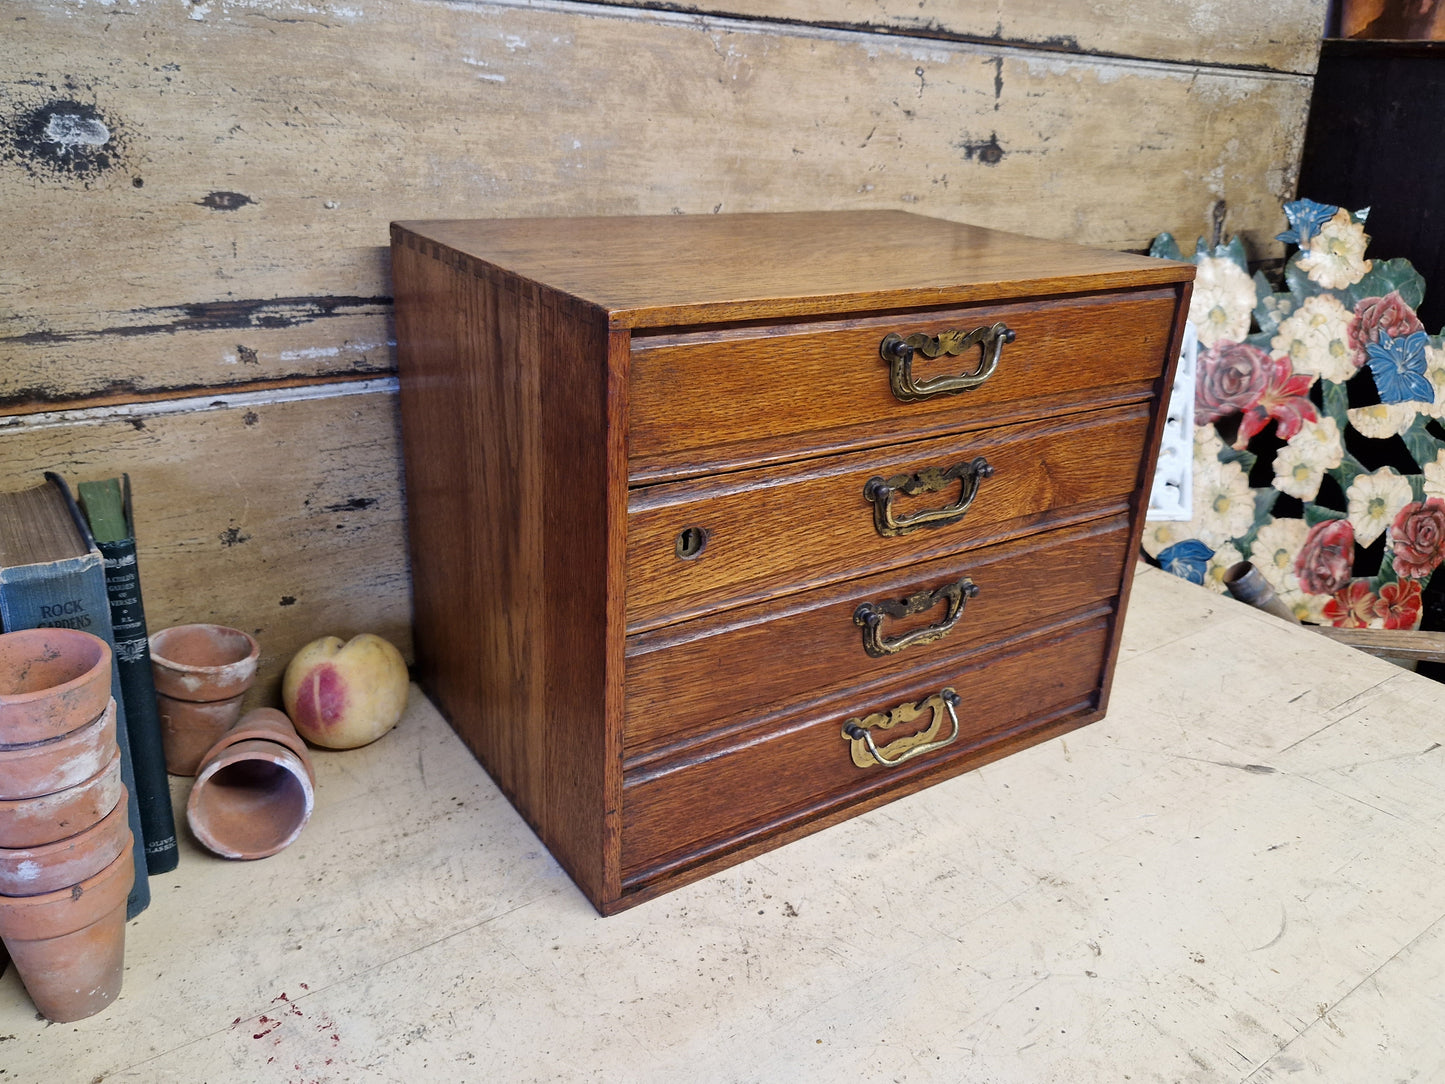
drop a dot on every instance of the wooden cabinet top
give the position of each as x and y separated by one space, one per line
672 270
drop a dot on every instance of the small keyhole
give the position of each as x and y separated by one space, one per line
690 541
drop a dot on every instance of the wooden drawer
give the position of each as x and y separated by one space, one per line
708 400
742 667
679 812
773 530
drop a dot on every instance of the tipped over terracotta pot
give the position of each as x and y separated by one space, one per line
250 800
52 681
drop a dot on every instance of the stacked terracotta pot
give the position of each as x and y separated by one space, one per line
66 865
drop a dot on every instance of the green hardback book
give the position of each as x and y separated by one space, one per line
52 575
107 508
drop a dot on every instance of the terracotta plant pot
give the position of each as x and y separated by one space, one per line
29 822
49 867
69 946
250 800
52 681
201 674
265 724
203 662
189 728
27 771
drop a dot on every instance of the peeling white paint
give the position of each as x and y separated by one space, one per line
71 130
126 412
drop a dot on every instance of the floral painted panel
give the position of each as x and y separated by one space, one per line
1319 453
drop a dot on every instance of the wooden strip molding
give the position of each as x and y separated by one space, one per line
235 214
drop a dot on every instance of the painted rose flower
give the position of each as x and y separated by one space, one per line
1417 538
1399 367
1316 339
1300 465
1273 553
1223 300
1335 256
1352 606
1231 377
1223 502
1284 399
1377 316
1374 500
1324 561
1399 604
1382 420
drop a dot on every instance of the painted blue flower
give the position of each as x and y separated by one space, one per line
1399 368
1305 218
1187 560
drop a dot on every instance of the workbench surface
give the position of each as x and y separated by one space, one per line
1235 876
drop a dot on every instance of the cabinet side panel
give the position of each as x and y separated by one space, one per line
506 497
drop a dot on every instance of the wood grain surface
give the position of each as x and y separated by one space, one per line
749 667
195 196
774 530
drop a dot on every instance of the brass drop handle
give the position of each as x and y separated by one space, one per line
869 617
880 492
858 732
899 352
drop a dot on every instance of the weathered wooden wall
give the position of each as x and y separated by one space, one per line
194 199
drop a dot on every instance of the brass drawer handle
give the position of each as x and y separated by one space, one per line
880 492
869 617
859 732
898 352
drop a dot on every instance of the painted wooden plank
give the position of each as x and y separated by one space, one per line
1280 36
203 202
282 517
1245 890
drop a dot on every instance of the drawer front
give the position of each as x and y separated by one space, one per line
730 670
714 399
682 811
697 547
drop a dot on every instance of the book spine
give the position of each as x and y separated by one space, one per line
71 594
138 692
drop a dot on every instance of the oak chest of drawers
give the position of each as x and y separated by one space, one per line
725 528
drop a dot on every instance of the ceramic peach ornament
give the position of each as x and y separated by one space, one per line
343 695
201 674
52 681
68 946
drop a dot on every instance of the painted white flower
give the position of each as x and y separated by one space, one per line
1383 420
1309 609
1435 476
1223 300
1208 446
1335 256
1435 373
1159 536
1223 503
1276 545
1373 502
1316 339
1299 467
1225 557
